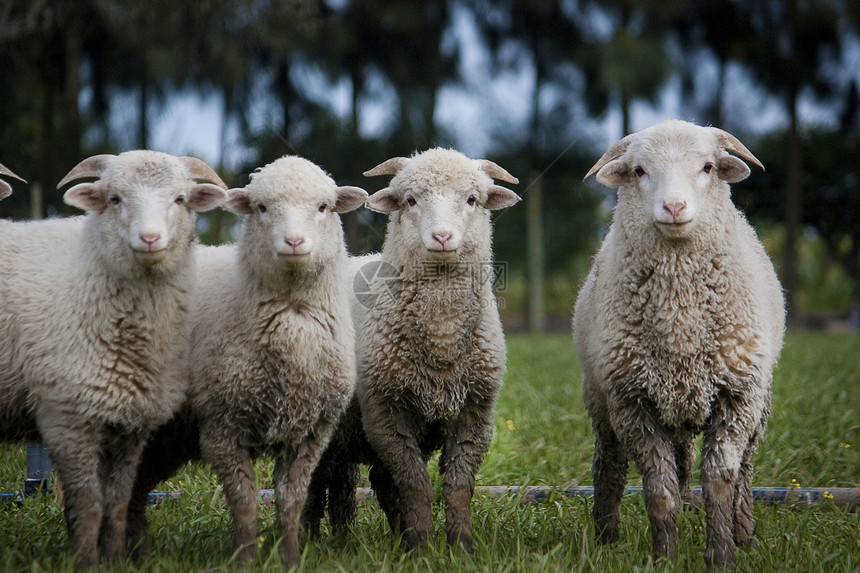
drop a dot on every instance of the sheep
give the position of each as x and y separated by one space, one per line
678 328
273 355
431 352
5 188
94 325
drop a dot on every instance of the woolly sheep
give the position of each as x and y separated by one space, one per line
93 320
273 357
678 328
431 353
5 188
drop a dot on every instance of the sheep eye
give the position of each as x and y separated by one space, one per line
638 171
180 200
261 208
410 200
323 207
471 200
707 168
115 199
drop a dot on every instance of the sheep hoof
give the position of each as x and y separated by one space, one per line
462 540
719 557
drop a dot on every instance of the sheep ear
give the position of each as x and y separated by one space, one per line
388 167
86 197
731 143
90 167
500 197
613 174
205 196
349 199
611 154
731 169
238 201
201 171
5 188
384 201
495 171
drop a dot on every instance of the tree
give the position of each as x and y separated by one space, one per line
791 41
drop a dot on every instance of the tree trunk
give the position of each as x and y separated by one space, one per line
351 226
143 116
625 113
793 217
535 254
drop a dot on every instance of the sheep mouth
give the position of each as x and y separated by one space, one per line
674 228
442 254
294 257
147 257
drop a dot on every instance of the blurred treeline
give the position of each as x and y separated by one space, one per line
540 86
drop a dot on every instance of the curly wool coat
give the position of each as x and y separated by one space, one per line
272 363
678 331
431 352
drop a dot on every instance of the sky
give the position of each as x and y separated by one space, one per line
191 124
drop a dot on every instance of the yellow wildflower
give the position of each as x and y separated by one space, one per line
510 424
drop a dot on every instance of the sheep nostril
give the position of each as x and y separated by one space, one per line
294 241
675 209
442 238
149 238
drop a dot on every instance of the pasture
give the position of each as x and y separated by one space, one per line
543 437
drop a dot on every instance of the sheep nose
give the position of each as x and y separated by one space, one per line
675 208
442 238
149 238
294 241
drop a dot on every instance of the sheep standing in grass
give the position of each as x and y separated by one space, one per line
5 188
430 347
678 328
272 352
94 328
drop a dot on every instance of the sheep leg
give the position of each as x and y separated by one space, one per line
292 477
744 522
387 496
391 433
609 473
342 503
170 446
725 442
651 447
466 442
121 456
685 455
73 455
233 465
314 510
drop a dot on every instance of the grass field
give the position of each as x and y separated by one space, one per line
543 437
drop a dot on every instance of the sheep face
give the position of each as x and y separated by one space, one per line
291 209
440 202
144 202
670 175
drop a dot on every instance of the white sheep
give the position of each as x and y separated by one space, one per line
5 188
431 352
273 356
678 328
94 325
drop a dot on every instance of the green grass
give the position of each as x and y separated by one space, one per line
543 437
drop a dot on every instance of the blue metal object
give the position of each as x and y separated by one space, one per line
841 496
38 469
